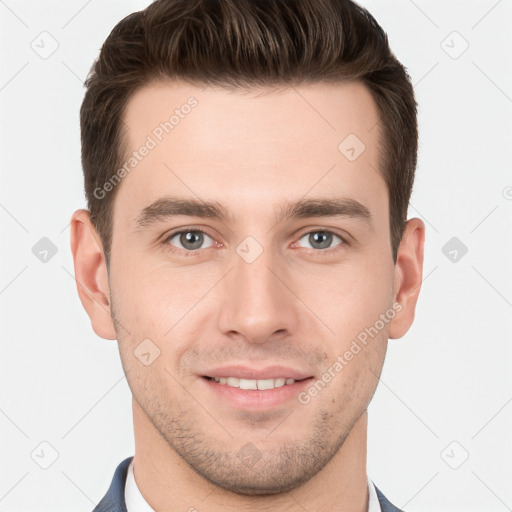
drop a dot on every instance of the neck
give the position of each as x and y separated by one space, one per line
168 483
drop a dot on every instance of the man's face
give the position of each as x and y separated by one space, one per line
249 296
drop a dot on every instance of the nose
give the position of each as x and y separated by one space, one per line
258 303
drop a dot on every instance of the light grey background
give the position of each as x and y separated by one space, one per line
446 387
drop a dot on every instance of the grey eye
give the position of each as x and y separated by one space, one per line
320 239
190 239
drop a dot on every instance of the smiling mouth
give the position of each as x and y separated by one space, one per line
254 384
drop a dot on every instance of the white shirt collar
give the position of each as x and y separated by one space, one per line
135 502
373 501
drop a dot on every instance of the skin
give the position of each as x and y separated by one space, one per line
293 305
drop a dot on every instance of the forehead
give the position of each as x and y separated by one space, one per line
245 146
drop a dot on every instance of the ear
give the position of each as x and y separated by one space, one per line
91 274
408 276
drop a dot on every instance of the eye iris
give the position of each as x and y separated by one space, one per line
313 238
188 237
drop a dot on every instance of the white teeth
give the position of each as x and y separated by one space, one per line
265 384
248 384
261 384
233 381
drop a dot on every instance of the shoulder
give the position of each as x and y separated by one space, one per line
385 504
114 501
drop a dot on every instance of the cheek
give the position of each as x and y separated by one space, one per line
157 304
347 300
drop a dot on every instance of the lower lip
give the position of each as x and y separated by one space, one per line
252 399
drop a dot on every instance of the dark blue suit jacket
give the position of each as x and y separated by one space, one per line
113 501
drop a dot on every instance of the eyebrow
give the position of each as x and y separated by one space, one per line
169 207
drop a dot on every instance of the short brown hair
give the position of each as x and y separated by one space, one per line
244 44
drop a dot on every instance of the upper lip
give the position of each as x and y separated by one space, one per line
269 372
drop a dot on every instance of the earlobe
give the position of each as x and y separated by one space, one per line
91 274
408 276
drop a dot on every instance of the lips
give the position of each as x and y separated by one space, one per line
255 394
263 379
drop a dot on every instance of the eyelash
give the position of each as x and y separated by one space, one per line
197 252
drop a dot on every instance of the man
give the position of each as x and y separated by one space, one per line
248 166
